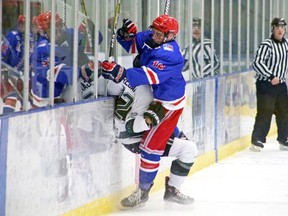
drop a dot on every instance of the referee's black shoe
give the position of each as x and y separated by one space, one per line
256 146
283 146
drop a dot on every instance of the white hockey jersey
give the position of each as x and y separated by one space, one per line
131 102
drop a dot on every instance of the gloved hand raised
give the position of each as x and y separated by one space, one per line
128 30
113 71
87 71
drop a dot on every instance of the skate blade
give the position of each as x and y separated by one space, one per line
254 148
125 208
173 202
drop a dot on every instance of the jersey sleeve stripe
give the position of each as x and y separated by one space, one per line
151 75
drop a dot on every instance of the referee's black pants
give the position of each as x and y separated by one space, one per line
271 99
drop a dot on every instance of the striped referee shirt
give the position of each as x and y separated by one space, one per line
271 60
198 57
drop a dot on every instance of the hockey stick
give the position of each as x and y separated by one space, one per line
115 24
167 7
15 88
88 33
13 71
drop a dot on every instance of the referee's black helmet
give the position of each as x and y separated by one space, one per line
278 22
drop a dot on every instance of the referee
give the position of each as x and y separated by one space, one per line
271 64
201 59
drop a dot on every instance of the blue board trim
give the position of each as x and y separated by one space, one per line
3 163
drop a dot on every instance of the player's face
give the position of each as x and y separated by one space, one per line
59 32
21 27
158 36
196 32
279 32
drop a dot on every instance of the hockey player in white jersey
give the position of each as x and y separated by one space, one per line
130 105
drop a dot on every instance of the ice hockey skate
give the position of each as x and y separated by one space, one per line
136 200
175 196
256 146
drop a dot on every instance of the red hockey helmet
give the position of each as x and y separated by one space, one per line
44 21
166 24
21 19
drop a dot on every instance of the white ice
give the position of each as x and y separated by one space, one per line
248 183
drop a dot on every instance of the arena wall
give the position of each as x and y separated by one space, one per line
64 160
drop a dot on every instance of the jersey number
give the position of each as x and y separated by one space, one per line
123 106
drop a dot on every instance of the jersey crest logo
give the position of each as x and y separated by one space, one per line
158 65
45 62
168 47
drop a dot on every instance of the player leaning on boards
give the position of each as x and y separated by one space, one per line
161 65
271 64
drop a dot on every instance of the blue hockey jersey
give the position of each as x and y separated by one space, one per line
161 68
13 49
41 69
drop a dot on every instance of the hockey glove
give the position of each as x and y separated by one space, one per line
87 71
128 30
154 114
113 71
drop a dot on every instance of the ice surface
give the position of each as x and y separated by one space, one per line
248 183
